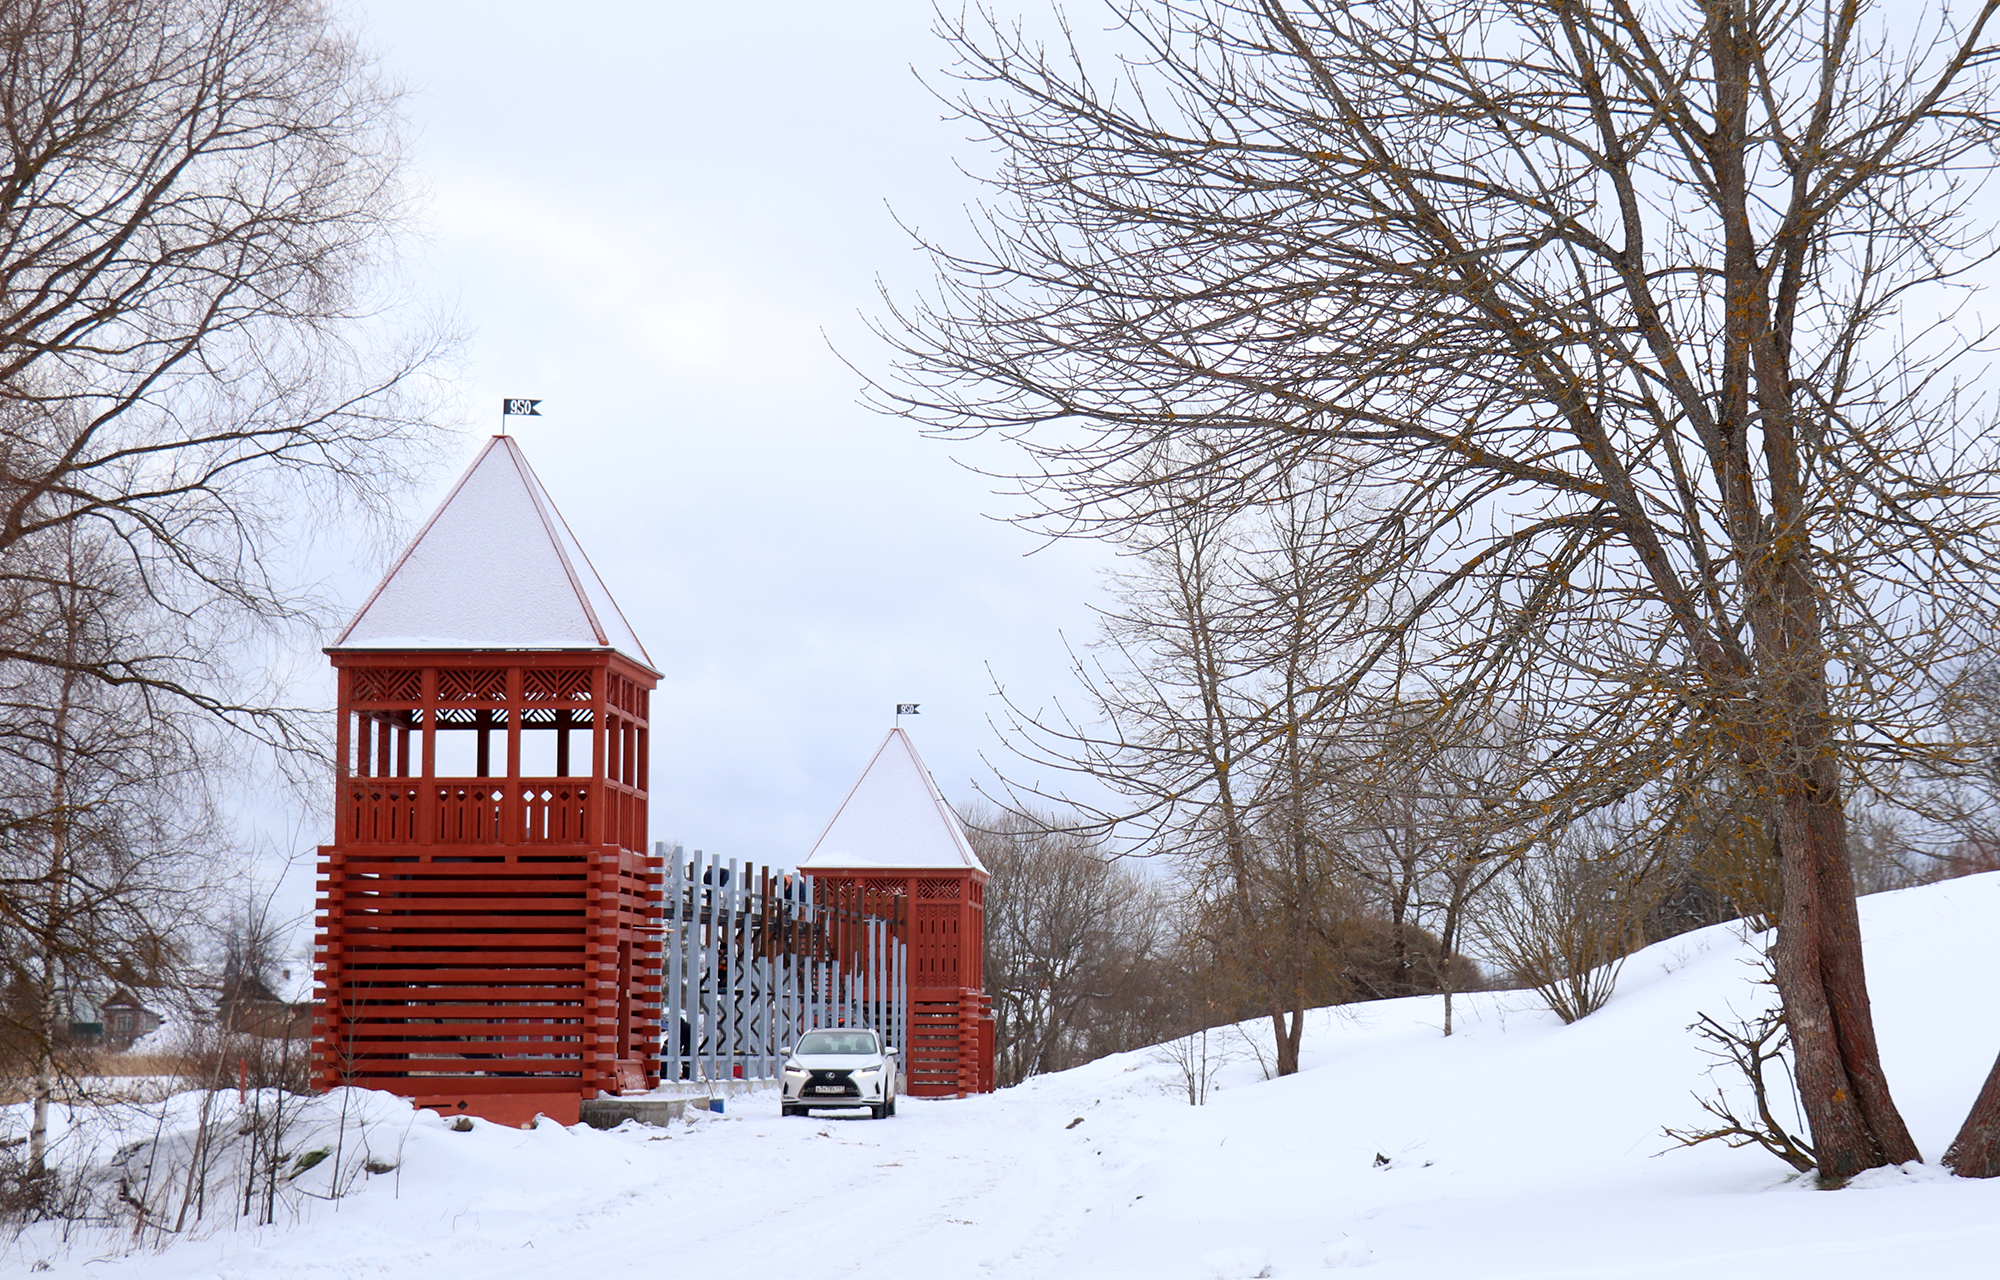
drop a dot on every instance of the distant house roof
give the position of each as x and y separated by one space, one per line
291 984
894 818
295 981
495 568
89 1004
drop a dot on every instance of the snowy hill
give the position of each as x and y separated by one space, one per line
1518 1147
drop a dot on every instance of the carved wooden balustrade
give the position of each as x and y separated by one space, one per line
467 811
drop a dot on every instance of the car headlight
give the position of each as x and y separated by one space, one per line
794 1069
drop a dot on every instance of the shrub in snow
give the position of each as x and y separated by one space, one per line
1758 1050
203 1159
1563 924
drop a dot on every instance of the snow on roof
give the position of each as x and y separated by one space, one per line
495 568
895 817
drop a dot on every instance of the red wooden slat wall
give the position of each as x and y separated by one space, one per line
951 1018
489 944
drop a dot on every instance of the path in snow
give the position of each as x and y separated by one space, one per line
1517 1148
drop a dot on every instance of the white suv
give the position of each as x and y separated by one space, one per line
840 1067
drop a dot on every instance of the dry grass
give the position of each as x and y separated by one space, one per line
140 1064
133 1077
108 1078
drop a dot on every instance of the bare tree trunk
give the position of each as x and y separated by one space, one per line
1819 967
1975 1152
1448 945
1847 987
1470 876
45 1039
1839 1134
1855 1125
45 1078
45 1045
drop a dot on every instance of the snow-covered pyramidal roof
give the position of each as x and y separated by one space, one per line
894 819
495 568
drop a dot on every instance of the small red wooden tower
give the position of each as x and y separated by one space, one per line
894 833
488 933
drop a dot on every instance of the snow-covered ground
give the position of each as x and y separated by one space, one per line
1516 1148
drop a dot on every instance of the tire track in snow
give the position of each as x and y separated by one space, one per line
962 1188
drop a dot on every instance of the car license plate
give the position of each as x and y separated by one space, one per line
826 1088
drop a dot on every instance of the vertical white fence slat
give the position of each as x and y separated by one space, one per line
710 956
743 996
671 1004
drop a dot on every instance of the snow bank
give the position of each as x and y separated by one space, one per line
1518 1147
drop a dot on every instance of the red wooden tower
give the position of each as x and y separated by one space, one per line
894 833
489 919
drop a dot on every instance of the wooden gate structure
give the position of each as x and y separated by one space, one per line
754 957
488 932
894 836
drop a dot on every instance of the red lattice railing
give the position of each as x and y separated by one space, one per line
472 686
555 686
402 687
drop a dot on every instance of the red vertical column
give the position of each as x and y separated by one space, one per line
513 820
600 789
343 753
642 805
427 796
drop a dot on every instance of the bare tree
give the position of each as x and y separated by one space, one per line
194 359
1065 926
1586 312
106 833
1266 786
1564 922
1712 859
1208 722
197 369
1419 832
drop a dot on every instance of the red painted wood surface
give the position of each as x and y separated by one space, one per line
490 944
951 1017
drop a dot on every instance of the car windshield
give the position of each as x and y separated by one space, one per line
848 1042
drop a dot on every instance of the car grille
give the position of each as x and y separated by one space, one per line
831 1084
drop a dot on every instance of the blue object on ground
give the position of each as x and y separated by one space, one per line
715 1105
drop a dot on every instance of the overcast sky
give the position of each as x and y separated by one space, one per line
663 221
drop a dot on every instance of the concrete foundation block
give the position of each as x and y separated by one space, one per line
609 1113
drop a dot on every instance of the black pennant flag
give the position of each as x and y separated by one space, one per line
523 408
906 708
